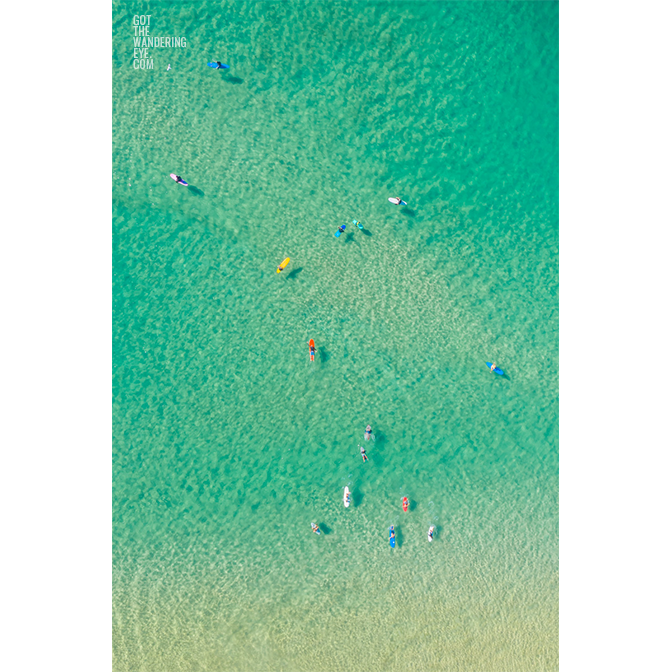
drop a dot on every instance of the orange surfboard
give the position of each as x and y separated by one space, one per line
311 345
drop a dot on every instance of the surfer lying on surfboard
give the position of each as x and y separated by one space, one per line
316 529
311 345
363 453
367 433
178 179
396 200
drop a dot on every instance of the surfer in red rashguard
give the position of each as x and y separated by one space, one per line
404 504
311 345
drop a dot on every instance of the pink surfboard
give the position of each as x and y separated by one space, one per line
179 181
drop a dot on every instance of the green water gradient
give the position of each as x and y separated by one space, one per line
228 441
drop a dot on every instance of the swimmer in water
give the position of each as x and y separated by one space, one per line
367 433
363 453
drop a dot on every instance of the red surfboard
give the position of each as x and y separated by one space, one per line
404 503
311 345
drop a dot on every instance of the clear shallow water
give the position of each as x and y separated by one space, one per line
228 442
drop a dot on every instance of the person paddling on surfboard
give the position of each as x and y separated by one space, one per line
220 66
367 433
363 453
493 367
311 345
316 529
177 179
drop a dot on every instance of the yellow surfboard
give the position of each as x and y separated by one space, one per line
282 265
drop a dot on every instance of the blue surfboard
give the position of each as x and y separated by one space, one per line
497 370
357 224
391 537
214 65
338 233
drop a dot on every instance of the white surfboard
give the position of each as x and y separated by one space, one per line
397 201
182 182
429 533
346 497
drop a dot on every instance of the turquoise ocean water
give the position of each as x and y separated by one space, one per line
228 441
